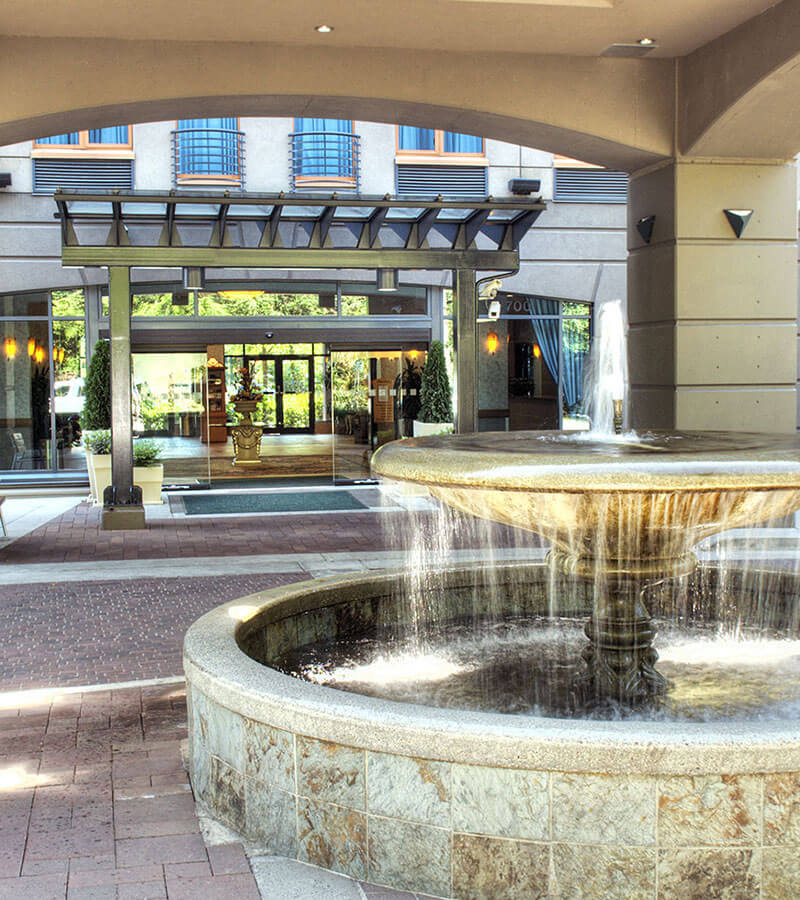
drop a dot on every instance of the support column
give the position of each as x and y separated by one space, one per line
466 342
122 508
713 317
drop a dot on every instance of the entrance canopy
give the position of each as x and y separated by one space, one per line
302 231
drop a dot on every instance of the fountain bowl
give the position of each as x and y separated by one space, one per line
630 504
471 804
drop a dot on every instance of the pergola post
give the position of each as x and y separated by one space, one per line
122 504
466 344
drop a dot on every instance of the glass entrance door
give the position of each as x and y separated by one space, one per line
287 385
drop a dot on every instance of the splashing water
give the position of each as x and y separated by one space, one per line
606 377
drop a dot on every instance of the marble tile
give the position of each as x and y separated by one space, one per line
781 873
225 735
331 772
503 802
269 755
409 856
709 874
588 872
358 617
404 787
226 793
315 625
487 868
782 809
279 638
332 837
603 809
200 773
709 810
271 816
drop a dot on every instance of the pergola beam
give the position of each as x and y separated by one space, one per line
282 258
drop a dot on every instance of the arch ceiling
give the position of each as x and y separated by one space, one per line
527 71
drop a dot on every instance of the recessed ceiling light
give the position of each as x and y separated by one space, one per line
646 42
323 29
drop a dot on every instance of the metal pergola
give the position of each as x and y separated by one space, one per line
121 230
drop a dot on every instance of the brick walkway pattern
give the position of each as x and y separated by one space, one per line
77 536
96 805
100 632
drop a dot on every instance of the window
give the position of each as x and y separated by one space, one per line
324 153
115 137
208 150
434 142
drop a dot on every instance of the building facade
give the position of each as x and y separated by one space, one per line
337 359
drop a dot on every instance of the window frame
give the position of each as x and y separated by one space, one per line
185 179
438 154
84 148
333 181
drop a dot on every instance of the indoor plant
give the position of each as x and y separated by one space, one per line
148 471
435 398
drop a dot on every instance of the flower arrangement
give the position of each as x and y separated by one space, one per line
247 389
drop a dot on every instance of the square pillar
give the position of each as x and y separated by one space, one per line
712 317
466 345
123 509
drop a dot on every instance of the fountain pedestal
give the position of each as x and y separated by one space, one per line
620 659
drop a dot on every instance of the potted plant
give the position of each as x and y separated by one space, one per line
96 420
435 398
148 471
98 462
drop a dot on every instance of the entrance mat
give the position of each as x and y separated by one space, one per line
302 501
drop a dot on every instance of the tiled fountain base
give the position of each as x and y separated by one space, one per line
475 805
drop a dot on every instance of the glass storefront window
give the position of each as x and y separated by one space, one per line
69 374
28 305
362 300
25 420
69 303
263 303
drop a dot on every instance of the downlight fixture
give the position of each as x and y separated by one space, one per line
323 29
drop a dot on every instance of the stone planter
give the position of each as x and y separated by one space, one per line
423 429
150 479
99 468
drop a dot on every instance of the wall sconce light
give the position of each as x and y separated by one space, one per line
645 228
492 342
58 355
194 278
387 279
31 346
537 351
10 347
413 354
39 355
738 219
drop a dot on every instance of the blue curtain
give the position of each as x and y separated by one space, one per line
115 134
212 150
416 138
72 138
323 147
546 333
573 375
462 143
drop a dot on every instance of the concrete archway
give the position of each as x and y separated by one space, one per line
618 113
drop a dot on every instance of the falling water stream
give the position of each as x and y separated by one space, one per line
728 632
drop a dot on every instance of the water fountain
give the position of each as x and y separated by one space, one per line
480 804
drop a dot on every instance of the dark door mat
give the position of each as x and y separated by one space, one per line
302 501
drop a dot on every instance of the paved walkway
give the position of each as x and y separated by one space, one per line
94 797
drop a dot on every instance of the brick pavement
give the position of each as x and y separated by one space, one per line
100 632
95 803
77 536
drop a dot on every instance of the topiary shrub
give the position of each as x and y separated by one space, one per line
97 406
435 398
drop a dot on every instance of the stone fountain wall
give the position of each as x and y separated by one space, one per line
473 805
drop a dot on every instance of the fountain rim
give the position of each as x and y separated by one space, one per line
216 665
570 468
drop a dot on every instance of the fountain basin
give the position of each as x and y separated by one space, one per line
469 804
635 503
